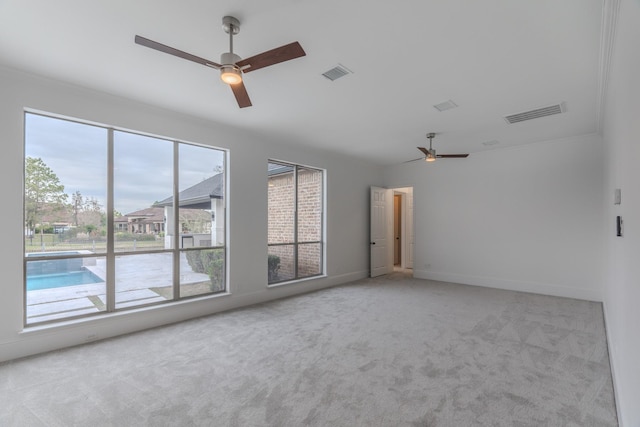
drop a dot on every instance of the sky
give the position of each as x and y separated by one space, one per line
143 168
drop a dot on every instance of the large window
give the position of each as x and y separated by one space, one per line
295 218
102 229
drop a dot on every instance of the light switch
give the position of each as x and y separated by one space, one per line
617 196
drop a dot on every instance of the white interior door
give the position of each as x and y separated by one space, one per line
381 234
409 238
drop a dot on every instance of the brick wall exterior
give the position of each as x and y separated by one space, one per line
281 214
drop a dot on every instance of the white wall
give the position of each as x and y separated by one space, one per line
526 218
347 205
622 272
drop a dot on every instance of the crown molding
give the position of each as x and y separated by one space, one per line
610 10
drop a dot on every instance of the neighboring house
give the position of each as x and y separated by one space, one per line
145 221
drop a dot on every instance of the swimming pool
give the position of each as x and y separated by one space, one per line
59 280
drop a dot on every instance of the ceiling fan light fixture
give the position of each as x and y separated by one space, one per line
230 74
430 153
431 156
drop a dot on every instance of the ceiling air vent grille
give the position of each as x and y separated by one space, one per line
537 113
444 106
490 143
337 72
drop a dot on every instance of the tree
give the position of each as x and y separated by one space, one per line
42 190
77 203
92 215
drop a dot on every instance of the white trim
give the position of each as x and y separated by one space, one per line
612 364
610 10
511 285
73 323
294 281
333 280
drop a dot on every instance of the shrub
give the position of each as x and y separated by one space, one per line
274 266
211 263
130 237
216 274
47 229
195 261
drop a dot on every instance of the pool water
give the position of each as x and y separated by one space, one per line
72 278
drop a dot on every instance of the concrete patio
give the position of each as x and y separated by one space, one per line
138 278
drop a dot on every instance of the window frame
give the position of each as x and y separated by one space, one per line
111 253
296 243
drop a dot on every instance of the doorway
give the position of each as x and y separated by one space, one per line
391 234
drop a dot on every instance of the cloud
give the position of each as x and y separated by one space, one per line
143 165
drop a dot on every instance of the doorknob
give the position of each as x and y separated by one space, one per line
372 243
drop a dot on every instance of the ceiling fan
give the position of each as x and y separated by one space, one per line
430 153
232 67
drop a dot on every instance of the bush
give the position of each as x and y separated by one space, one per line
216 274
130 237
47 229
195 261
211 263
274 267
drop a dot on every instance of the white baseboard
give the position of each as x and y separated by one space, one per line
511 285
612 359
297 287
348 277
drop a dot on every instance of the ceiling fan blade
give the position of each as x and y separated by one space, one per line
271 57
175 52
414 160
241 95
452 156
424 150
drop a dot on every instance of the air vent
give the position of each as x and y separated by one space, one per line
490 143
444 106
337 72
537 113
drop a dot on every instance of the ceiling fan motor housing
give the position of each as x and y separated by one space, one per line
229 58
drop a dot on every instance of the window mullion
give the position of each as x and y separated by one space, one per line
176 223
110 257
295 222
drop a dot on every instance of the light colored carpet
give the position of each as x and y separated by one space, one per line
389 351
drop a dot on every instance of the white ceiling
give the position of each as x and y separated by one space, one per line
491 57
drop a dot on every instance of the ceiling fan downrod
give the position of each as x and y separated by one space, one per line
229 72
431 156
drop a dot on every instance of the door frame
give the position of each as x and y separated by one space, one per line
407 230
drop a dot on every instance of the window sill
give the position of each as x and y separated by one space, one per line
292 282
88 320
